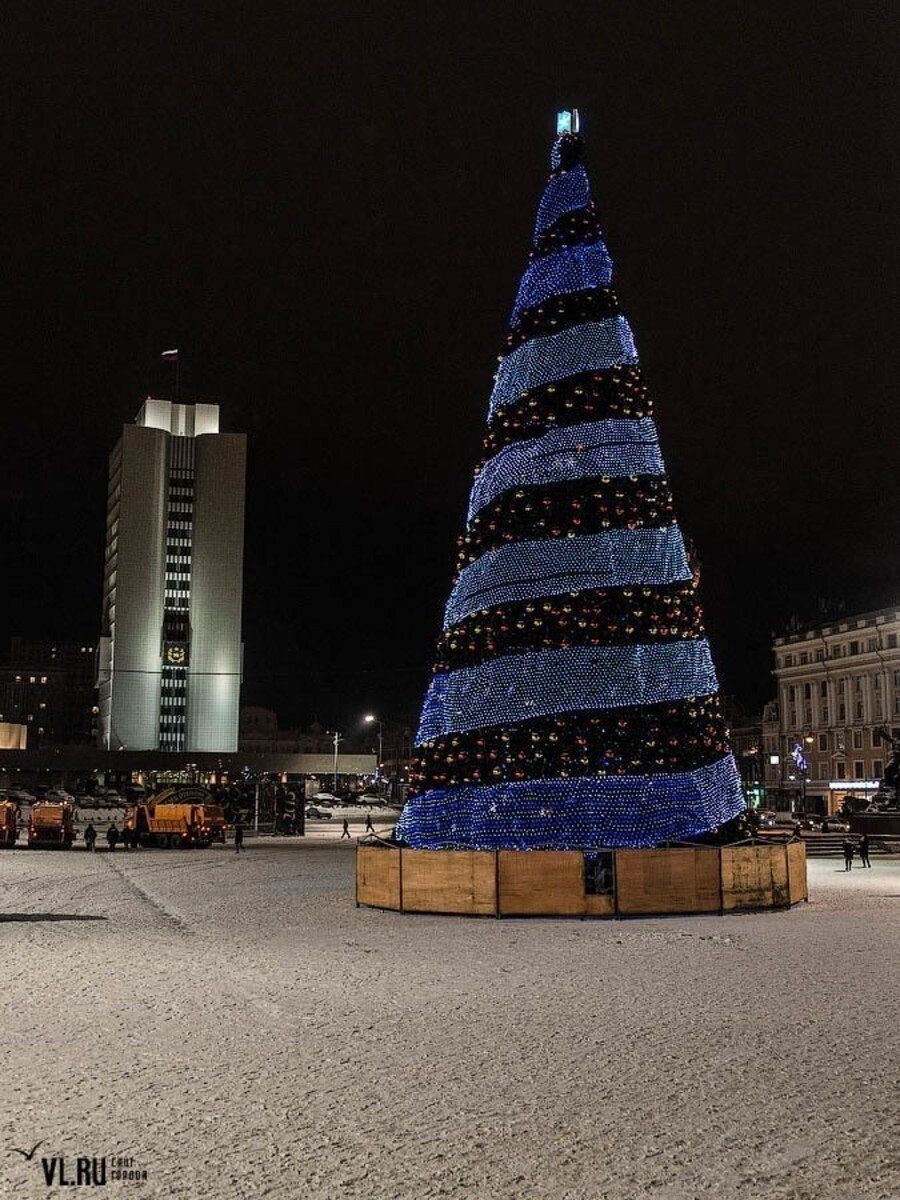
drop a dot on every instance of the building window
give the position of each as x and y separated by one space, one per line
896 679
877 683
804 659
854 647
789 660
871 645
876 740
823 771
842 712
877 768
823 741
840 770
825 714
807 691
892 641
859 769
823 689
857 739
820 656
842 685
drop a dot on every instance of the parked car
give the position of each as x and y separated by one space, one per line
318 814
835 824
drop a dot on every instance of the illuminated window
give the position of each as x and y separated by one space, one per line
43 679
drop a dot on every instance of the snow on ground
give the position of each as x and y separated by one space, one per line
237 1027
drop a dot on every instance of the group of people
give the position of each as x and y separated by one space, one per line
128 837
851 849
370 828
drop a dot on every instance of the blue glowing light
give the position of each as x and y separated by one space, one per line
583 813
564 194
594 346
526 570
616 448
571 269
517 687
567 122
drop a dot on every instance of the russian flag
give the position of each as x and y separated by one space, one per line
170 355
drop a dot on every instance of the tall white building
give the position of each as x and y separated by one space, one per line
170 656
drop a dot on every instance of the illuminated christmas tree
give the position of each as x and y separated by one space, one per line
574 699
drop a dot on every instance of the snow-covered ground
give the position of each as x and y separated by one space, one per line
237 1027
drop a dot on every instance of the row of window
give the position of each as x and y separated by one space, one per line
842 650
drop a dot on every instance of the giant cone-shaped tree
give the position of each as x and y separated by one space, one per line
574 699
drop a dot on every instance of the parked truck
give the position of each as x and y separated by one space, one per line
50 825
9 824
172 825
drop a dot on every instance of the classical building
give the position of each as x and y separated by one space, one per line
260 734
838 684
170 654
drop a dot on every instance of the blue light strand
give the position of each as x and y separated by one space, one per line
563 194
594 346
536 683
551 566
583 813
615 448
570 269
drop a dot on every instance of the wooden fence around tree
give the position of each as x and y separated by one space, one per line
506 883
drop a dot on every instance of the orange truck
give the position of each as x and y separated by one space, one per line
9 827
50 825
173 825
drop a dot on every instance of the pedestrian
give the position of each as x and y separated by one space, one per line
863 848
238 836
90 837
370 828
345 832
112 835
849 850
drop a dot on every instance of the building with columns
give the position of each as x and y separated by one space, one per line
170 654
838 684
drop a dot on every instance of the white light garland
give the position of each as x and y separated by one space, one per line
594 346
616 448
549 567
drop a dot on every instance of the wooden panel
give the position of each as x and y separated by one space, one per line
542 883
600 906
667 881
796 858
378 876
450 881
754 876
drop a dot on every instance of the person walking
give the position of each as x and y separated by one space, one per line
112 835
238 836
90 837
370 828
863 849
849 850
345 832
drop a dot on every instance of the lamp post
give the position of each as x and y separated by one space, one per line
369 719
338 738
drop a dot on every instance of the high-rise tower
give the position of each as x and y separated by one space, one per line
170 656
574 699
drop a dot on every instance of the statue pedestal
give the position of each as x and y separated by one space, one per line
568 883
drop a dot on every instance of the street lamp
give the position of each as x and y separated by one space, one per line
338 738
369 718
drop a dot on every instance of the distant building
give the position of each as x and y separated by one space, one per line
260 734
838 683
49 687
170 654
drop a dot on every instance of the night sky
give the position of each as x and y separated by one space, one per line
327 208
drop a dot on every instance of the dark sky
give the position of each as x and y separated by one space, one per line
327 207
